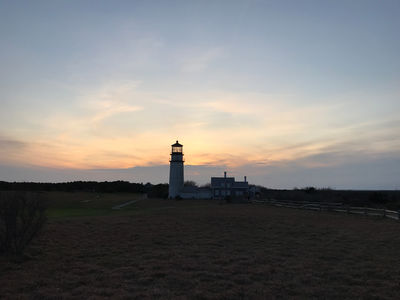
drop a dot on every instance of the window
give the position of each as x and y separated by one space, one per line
216 192
176 149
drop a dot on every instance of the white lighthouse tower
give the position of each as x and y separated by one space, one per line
176 171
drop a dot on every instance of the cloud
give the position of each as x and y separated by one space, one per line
111 99
11 144
12 149
24 152
114 109
120 124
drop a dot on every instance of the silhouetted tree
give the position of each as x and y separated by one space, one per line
158 191
22 216
85 186
190 183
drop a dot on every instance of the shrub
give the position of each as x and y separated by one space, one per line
190 183
157 191
377 197
310 189
22 216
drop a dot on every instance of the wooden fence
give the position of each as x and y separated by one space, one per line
332 206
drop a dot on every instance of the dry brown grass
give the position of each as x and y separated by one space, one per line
202 250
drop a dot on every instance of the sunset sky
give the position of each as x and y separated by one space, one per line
289 93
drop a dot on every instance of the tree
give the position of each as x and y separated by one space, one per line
22 216
190 183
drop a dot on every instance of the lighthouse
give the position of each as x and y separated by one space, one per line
176 171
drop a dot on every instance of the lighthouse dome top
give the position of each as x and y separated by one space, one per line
177 144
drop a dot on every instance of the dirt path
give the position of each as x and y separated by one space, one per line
124 204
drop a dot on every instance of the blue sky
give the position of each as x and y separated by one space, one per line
289 93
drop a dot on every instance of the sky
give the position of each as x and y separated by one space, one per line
289 93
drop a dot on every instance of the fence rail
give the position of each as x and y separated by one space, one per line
332 206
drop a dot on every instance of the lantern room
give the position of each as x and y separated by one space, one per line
176 148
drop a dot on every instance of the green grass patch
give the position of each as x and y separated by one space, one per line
78 212
80 204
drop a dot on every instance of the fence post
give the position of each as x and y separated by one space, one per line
384 213
365 211
398 215
348 209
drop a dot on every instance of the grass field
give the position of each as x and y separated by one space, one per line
166 249
63 204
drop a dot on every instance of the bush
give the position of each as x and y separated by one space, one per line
379 198
157 191
22 216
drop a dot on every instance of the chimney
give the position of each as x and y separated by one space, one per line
245 178
225 174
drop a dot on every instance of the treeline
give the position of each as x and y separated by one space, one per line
376 199
158 190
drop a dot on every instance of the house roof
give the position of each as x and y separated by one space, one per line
217 182
241 184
